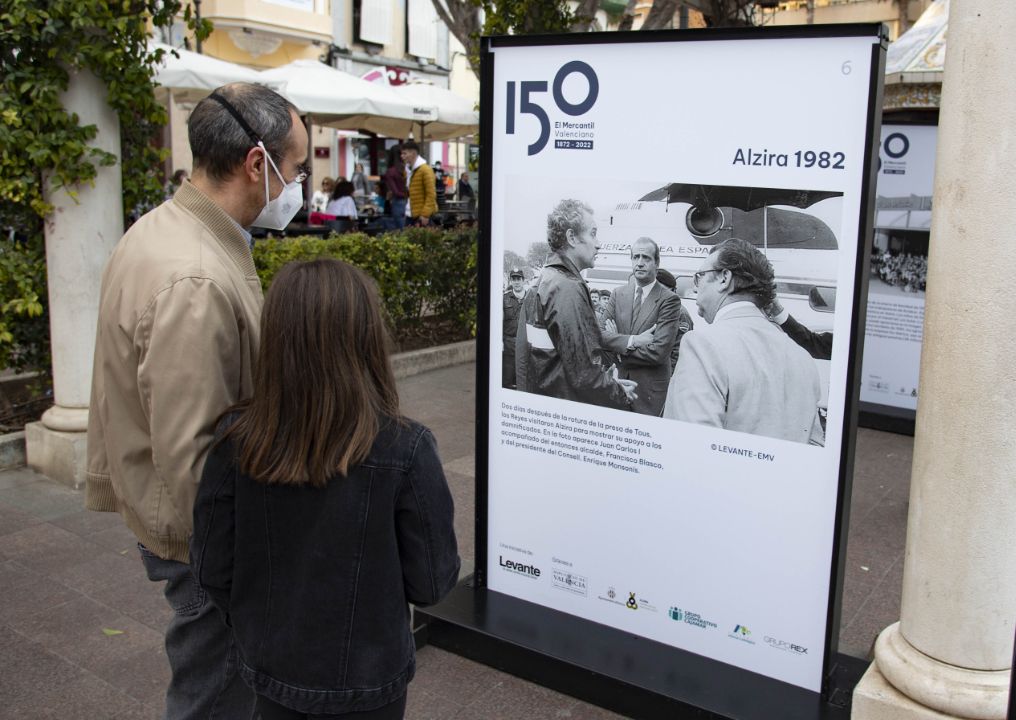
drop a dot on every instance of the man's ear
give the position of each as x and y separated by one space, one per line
569 235
254 164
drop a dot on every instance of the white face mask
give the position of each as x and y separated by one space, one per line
278 212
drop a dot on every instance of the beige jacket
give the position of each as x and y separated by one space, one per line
178 332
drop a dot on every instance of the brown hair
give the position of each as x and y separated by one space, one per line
323 383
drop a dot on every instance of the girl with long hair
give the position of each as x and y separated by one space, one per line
322 511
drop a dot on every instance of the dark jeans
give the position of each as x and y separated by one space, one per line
398 213
269 710
205 684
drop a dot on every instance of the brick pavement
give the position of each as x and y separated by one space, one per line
81 627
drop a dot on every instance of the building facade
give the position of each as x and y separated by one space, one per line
403 40
898 15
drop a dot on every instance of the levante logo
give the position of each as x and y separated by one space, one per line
568 134
519 568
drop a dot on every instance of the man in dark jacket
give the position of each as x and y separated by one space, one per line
818 345
511 303
684 322
558 342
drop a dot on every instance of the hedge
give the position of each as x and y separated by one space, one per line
419 271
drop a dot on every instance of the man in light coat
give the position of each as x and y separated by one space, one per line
742 372
178 331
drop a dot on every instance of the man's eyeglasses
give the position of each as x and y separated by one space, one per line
700 273
302 173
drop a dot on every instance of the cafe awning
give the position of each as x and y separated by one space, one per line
456 116
333 98
190 76
918 55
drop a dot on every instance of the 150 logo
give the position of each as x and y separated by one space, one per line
528 106
894 147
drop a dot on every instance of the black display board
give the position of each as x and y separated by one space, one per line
691 560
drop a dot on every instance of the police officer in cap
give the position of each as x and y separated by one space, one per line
512 303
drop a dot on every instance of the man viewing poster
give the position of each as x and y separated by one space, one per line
668 462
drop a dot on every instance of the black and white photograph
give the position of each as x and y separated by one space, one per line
699 303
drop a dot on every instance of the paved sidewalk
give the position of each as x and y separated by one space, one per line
81 626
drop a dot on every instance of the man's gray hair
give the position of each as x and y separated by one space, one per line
567 215
219 142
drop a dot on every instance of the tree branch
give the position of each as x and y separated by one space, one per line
661 15
462 19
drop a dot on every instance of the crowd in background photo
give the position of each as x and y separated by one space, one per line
902 270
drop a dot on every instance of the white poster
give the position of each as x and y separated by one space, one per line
682 492
899 266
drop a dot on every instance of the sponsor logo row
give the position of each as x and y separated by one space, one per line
565 579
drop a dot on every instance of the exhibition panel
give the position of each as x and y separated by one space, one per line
897 277
669 350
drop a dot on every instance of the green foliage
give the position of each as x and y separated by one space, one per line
419 271
24 341
450 270
525 17
41 45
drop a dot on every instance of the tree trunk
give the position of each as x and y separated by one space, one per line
904 21
585 15
463 20
628 18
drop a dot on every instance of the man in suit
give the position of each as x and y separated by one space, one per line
642 327
741 372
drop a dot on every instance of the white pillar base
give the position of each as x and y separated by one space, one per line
66 419
57 454
905 683
875 699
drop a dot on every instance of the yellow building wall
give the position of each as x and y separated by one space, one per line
260 15
220 45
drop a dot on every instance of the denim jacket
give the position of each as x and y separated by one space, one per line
315 581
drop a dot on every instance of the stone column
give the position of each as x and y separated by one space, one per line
80 234
950 654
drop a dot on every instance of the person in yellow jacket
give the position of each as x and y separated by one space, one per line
422 190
